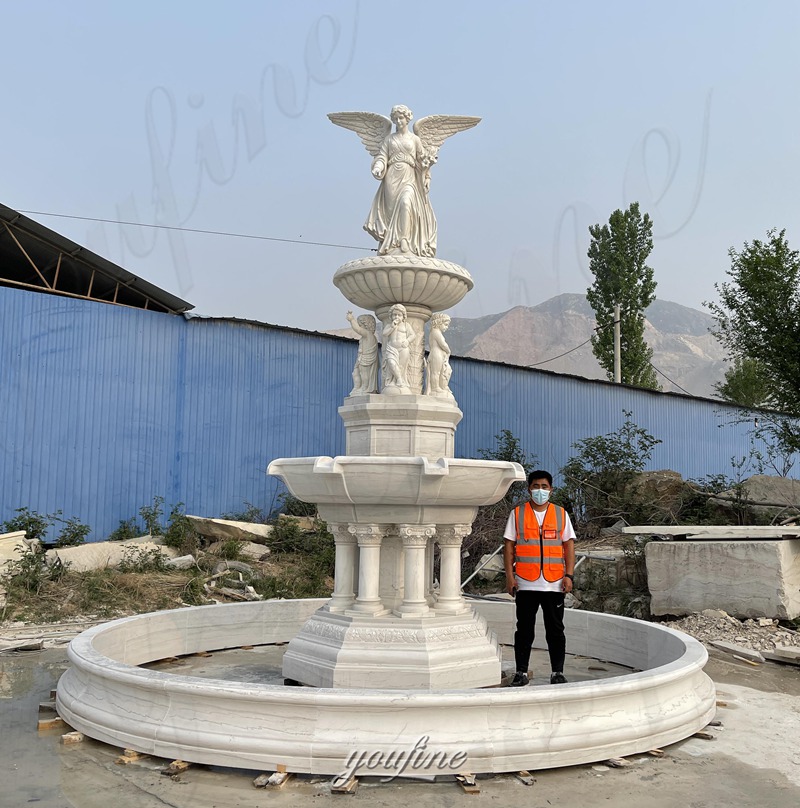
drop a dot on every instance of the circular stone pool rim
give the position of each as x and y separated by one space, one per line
322 731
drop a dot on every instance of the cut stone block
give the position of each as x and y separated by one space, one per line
11 547
102 554
738 650
743 578
307 523
223 529
788 652
247 549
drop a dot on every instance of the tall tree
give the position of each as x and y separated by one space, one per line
617 258
758 316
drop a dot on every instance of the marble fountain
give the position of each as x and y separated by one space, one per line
393 658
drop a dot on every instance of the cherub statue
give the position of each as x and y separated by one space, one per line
365 371
398 338
401 219
439 370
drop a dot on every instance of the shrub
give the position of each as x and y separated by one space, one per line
596 480
73 533
151 516
128 529
33 523
180 533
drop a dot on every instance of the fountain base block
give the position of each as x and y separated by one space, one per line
424 652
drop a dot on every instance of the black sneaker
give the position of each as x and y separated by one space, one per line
557 678
520 679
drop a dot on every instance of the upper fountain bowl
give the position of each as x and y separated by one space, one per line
413 490
383 280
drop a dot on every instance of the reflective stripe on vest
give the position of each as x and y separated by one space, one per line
539 549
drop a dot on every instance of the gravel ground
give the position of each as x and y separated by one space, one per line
761 634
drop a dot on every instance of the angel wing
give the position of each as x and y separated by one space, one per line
433 130
371 127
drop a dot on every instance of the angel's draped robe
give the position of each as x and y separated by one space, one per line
401 210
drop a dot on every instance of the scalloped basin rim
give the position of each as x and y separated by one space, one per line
333 465
397 481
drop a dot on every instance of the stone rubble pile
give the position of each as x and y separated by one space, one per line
761 634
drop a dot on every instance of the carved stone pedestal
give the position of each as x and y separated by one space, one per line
406 426
422 652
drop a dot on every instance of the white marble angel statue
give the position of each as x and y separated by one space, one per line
401 219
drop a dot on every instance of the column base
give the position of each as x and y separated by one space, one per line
411 652
422 612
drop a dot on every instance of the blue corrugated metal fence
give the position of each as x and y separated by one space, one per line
103 407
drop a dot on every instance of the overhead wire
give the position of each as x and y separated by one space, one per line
585 342
668 379
230 234
198 230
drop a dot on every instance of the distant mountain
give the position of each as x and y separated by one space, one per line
683 348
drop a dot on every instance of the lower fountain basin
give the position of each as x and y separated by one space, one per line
323 731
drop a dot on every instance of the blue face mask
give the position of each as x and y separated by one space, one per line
540 496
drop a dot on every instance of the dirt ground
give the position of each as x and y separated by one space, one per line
753 760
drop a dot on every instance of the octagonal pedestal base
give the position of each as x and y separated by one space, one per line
390 426
424 653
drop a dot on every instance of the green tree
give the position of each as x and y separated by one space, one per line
758 316
744 384
617 258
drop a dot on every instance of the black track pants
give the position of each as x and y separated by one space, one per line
528 604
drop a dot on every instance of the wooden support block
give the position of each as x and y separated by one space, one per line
276 780
53 694
203 654
47 707
279 779
130 756
715 723
722 703
706 736
748 661
468 783
176 767
341 785
618 763
659 753
72 737
51 723
525 777
246 647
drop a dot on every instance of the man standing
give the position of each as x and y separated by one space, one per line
539 557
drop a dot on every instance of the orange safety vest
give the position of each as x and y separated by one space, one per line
539 549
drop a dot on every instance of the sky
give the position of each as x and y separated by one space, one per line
212 116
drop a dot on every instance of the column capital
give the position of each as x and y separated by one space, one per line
367 535
341 533
452 535
416 535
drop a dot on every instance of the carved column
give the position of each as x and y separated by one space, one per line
450 538
368 599
415 540
344 575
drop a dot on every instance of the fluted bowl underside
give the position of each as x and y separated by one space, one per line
384 280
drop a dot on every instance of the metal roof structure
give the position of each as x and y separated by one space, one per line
36 258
